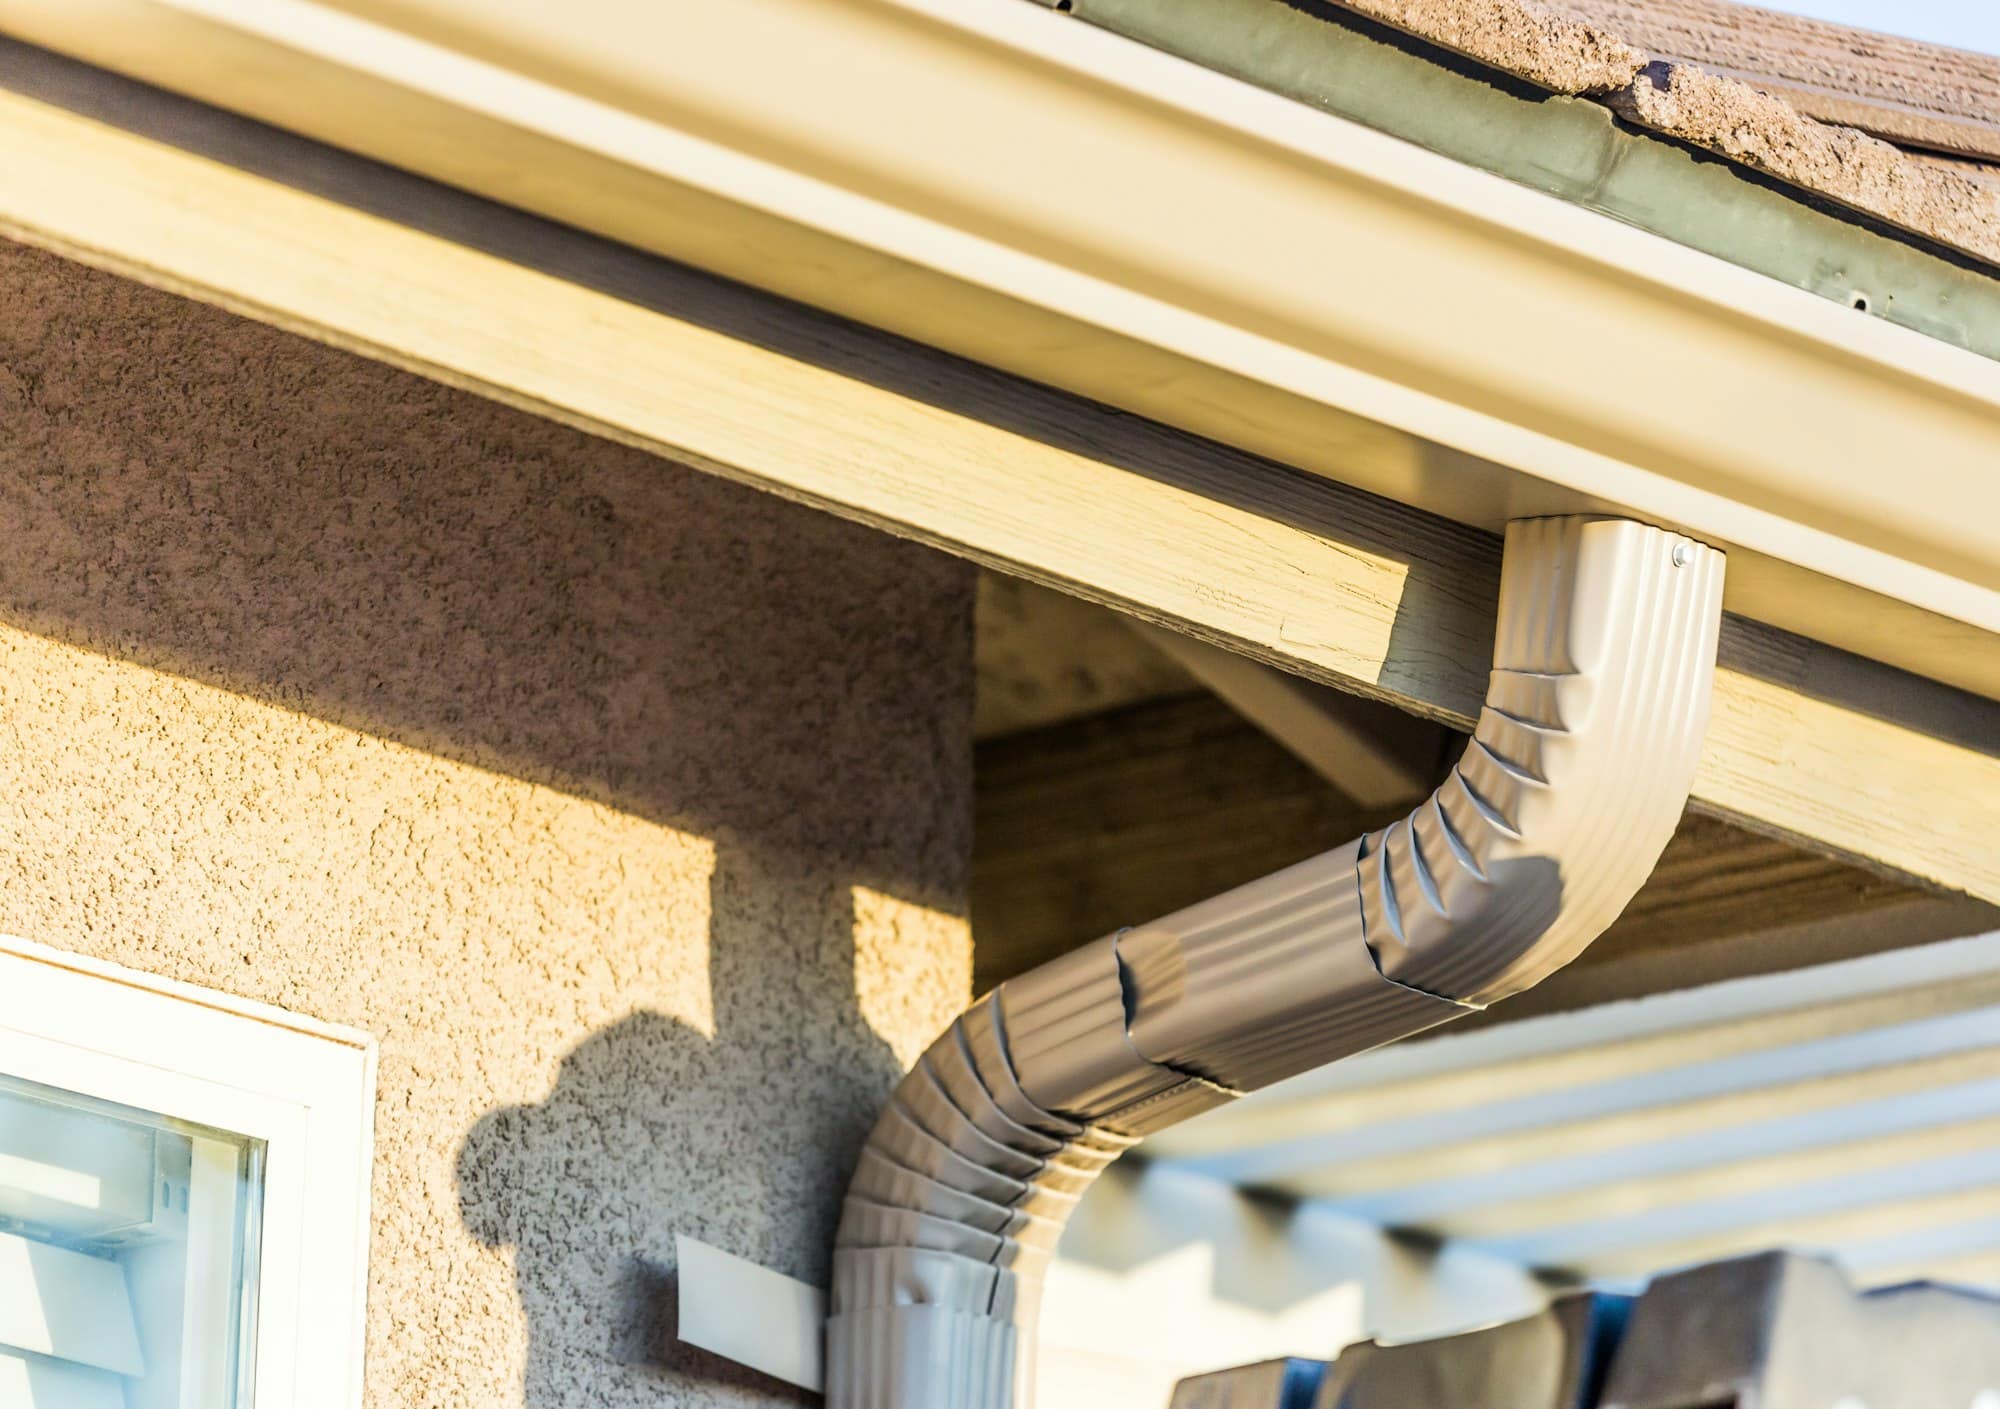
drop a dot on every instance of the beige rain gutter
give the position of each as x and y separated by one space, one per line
986 177
994 179
1568 790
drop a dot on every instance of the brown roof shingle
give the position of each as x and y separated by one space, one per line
1904 90
1705 86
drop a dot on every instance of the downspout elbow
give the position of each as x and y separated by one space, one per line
1578 768
1574 779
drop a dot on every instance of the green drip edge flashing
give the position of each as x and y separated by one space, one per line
1577 150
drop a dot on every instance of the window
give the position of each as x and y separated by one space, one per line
127 1255
183 1194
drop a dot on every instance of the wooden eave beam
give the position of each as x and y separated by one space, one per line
1323 581
1376 755
1089 825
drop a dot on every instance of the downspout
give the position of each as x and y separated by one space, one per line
1572 783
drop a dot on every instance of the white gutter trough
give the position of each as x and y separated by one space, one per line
1568 790
991 178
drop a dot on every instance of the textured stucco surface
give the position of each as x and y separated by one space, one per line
627 808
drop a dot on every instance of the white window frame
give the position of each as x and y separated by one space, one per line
305 1088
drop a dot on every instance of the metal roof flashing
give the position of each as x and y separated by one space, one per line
1578 149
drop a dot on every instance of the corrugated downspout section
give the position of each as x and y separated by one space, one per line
1577 771
1573 781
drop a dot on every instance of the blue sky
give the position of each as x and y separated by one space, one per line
1969 24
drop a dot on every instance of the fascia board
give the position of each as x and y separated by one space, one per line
1309 575
987 177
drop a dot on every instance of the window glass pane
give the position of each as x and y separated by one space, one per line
127 1256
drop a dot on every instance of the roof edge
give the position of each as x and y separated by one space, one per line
1558 52
1147 232
1729 117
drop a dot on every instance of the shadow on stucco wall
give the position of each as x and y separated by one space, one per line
654 1129
701 723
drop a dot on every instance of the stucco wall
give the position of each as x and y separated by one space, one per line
629 809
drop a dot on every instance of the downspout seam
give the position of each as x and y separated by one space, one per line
1574 780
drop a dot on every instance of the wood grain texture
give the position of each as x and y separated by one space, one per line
1114 820
1333 584
1716 881
1369 751
1087 826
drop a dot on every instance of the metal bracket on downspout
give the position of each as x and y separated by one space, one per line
1572 783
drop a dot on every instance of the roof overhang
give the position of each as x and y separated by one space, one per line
1303 572
990 178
